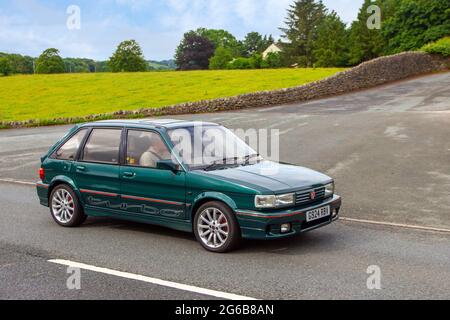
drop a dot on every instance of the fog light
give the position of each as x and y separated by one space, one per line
285 228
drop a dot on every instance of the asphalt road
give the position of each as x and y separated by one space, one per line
388 149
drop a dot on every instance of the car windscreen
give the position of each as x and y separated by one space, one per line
201 146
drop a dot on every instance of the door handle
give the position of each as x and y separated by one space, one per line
129 175
81 168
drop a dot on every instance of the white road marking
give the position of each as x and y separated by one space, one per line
132 276
398 225
17 182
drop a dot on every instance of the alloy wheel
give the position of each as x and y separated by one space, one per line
63 206
213 228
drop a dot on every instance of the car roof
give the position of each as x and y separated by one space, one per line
150 123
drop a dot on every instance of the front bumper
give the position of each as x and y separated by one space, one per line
267 225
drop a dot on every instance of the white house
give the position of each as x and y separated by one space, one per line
273 48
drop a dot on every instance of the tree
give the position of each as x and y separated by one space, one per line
50 62
221 58
302 21
255 43
194 52
416 23
273 60
128 58
221 38
330 48
21 64
364 43
5 66
241 63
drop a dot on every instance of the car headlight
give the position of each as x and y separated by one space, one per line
272 201
329 190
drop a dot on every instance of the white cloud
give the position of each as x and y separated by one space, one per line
157 24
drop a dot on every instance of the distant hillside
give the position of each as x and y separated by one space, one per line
162 65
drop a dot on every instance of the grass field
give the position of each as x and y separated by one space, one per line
43 97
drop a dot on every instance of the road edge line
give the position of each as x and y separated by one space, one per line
398 225
170 284
26 183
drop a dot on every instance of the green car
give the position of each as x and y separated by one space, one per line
189 176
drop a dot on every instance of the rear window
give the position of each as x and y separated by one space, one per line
103 146
68 150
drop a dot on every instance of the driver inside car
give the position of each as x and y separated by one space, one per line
156 152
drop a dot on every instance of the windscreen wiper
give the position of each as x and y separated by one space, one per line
220 163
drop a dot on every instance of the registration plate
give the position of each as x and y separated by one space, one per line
317 214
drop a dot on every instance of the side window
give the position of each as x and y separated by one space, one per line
68 150
145 149
103 146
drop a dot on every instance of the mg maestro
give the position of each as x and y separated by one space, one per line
190 176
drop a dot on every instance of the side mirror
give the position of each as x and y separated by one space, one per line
168 165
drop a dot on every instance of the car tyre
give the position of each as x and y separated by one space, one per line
216 227
65 207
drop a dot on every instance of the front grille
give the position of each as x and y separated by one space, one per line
306 197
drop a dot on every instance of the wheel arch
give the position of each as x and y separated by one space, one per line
208 197
58 180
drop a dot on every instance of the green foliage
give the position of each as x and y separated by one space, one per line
102 66
221 38
255 43
416 23
441 47
76 65
194 52
302 22
50 62
128 58
5 66
240 63
330 48
19 64
162 65
221 58
254 62
364 44
273 61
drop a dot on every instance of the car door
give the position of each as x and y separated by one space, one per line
97 171
147 190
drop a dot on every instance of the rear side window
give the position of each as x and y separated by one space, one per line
103 146
68 150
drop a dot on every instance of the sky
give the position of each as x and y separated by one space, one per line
30 26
